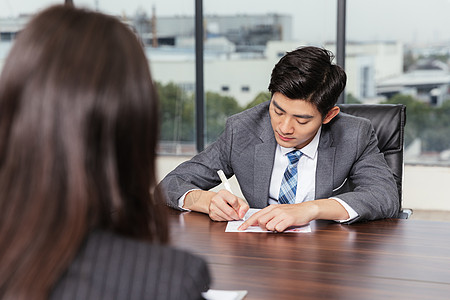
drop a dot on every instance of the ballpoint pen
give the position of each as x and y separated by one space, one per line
225 181
227 185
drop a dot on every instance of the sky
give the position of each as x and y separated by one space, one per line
410 21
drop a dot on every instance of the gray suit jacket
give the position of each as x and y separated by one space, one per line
112 267
350 165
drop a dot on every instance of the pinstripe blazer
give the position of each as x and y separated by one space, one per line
349 164
112 267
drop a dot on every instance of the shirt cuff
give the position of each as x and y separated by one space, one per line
181 200
351 212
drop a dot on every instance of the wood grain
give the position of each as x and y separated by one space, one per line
392 258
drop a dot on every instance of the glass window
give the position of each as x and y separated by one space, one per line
392 56
404 55
167 30
12 9
243 42
13 16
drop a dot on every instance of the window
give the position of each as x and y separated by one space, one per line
166 29
249 37
392 62
410 62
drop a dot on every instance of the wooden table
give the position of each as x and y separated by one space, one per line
384 259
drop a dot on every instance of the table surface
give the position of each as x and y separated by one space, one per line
391 258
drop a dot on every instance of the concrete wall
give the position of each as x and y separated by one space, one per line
424 187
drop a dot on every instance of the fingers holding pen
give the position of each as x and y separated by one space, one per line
225 206
239 205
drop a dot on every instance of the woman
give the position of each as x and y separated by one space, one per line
78 130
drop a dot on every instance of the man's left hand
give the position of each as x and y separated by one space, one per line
278 217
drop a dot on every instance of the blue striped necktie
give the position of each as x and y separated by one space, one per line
288 187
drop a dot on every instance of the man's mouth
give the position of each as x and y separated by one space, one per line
283 138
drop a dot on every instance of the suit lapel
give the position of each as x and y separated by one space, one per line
263 165
325 163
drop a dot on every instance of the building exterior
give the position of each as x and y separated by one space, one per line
428 81
9 27
245 75
240 75
240 52
249 33
368 63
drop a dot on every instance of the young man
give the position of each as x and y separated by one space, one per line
338 166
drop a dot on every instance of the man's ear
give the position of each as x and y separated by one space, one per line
331 114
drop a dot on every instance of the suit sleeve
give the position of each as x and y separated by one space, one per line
200 172
373 192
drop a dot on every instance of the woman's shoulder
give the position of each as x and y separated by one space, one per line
109 264
100 239
118 245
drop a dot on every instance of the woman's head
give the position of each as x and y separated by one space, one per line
78 131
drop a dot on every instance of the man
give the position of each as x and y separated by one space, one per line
338 166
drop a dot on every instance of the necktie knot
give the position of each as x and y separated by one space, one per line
294 156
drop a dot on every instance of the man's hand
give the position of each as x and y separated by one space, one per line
278 217
220 206
225 206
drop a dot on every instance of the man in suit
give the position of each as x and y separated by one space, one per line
338 166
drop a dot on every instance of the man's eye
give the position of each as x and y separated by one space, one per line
302 123
278 112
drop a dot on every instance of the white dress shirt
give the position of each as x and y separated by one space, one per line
306 175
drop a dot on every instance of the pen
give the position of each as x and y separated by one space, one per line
225 181
227 185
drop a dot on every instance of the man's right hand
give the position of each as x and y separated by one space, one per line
220 206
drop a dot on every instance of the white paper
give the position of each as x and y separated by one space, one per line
232 226
224 295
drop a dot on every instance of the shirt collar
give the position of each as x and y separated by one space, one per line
309 150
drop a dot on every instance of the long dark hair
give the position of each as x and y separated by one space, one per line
78 132
308 73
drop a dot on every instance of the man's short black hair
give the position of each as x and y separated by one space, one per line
307 73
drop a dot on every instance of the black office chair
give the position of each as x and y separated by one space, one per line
388 121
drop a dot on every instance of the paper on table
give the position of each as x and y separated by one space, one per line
232 226
224 295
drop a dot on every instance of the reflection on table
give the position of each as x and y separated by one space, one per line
401 259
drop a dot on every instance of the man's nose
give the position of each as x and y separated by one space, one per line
286 126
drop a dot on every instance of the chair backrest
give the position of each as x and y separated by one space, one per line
388 121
